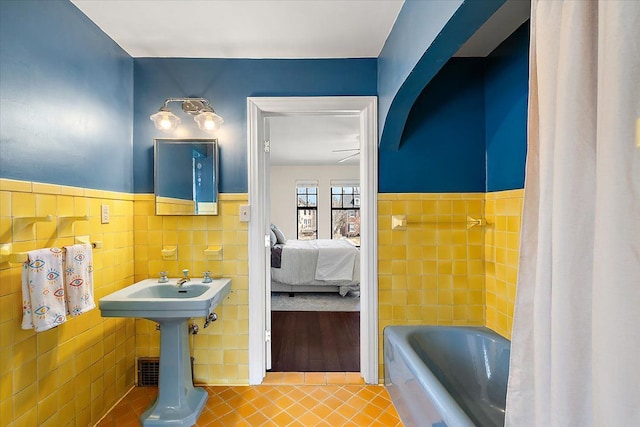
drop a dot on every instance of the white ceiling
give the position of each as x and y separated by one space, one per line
247 28
498 27
311 140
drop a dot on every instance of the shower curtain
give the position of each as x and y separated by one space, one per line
576 337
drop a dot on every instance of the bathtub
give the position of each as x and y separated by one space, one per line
441 376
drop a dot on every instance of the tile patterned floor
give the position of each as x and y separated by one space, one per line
284 399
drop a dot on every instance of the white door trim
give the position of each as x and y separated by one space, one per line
366 107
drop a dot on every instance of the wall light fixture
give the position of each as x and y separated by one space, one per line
205 116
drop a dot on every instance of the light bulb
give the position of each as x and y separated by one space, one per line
165 120
208 120
209 125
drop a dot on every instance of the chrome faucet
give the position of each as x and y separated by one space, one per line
184 279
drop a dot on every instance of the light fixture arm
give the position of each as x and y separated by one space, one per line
204 101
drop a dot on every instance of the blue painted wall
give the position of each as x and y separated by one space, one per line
423 38
66 98
506 95
415 29
68 116
227 83
442 147
466 131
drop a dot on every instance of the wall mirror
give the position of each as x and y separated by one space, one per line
186 176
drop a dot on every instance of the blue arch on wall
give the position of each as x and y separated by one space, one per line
462 25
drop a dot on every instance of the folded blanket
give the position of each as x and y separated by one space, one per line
276 256
43 304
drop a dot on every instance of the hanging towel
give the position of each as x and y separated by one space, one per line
78 279
43 302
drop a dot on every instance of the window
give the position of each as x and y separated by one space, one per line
307 203
345 213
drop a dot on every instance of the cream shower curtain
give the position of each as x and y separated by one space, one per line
576 337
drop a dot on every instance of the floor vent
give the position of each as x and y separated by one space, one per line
149 370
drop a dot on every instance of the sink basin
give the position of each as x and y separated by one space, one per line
178 403
163 291
152 300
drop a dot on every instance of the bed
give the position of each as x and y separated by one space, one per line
321 265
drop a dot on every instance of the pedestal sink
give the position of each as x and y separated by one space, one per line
179 403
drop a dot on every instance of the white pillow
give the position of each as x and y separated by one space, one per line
279 236
274 239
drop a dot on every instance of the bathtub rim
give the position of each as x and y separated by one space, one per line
451 412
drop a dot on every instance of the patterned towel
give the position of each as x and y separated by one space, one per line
78 279
43 304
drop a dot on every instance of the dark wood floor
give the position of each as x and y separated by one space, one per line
315 341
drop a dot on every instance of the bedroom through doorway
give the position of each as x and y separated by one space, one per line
259 112
314 214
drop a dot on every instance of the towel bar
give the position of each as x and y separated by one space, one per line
21 257
400 222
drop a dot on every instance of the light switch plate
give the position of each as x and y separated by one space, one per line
245 213
104 218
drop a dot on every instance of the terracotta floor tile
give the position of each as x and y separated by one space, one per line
322 410
284 401
315 378
354 378
271 411
332 402
283 419
206 417
308 402
321 392
257 419
274 378
361 418
389 418
246 409
347 411
297 403
336 378
335 418
293 378
296 410
309 419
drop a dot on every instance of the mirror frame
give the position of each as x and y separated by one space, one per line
168 206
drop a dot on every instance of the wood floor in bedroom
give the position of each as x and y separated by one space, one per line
315 341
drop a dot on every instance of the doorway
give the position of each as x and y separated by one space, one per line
365 108
314 195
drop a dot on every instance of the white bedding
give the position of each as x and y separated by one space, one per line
319 262
336 259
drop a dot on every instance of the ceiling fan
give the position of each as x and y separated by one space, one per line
350 156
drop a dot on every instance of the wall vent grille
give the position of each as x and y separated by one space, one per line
149 371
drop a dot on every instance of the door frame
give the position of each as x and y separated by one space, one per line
366 107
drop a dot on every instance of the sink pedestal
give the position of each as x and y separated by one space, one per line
179 403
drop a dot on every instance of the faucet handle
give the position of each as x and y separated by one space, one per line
163 277
207 277
185 273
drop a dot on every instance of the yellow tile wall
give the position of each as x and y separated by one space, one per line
432 271
221 351
503 211
70 375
